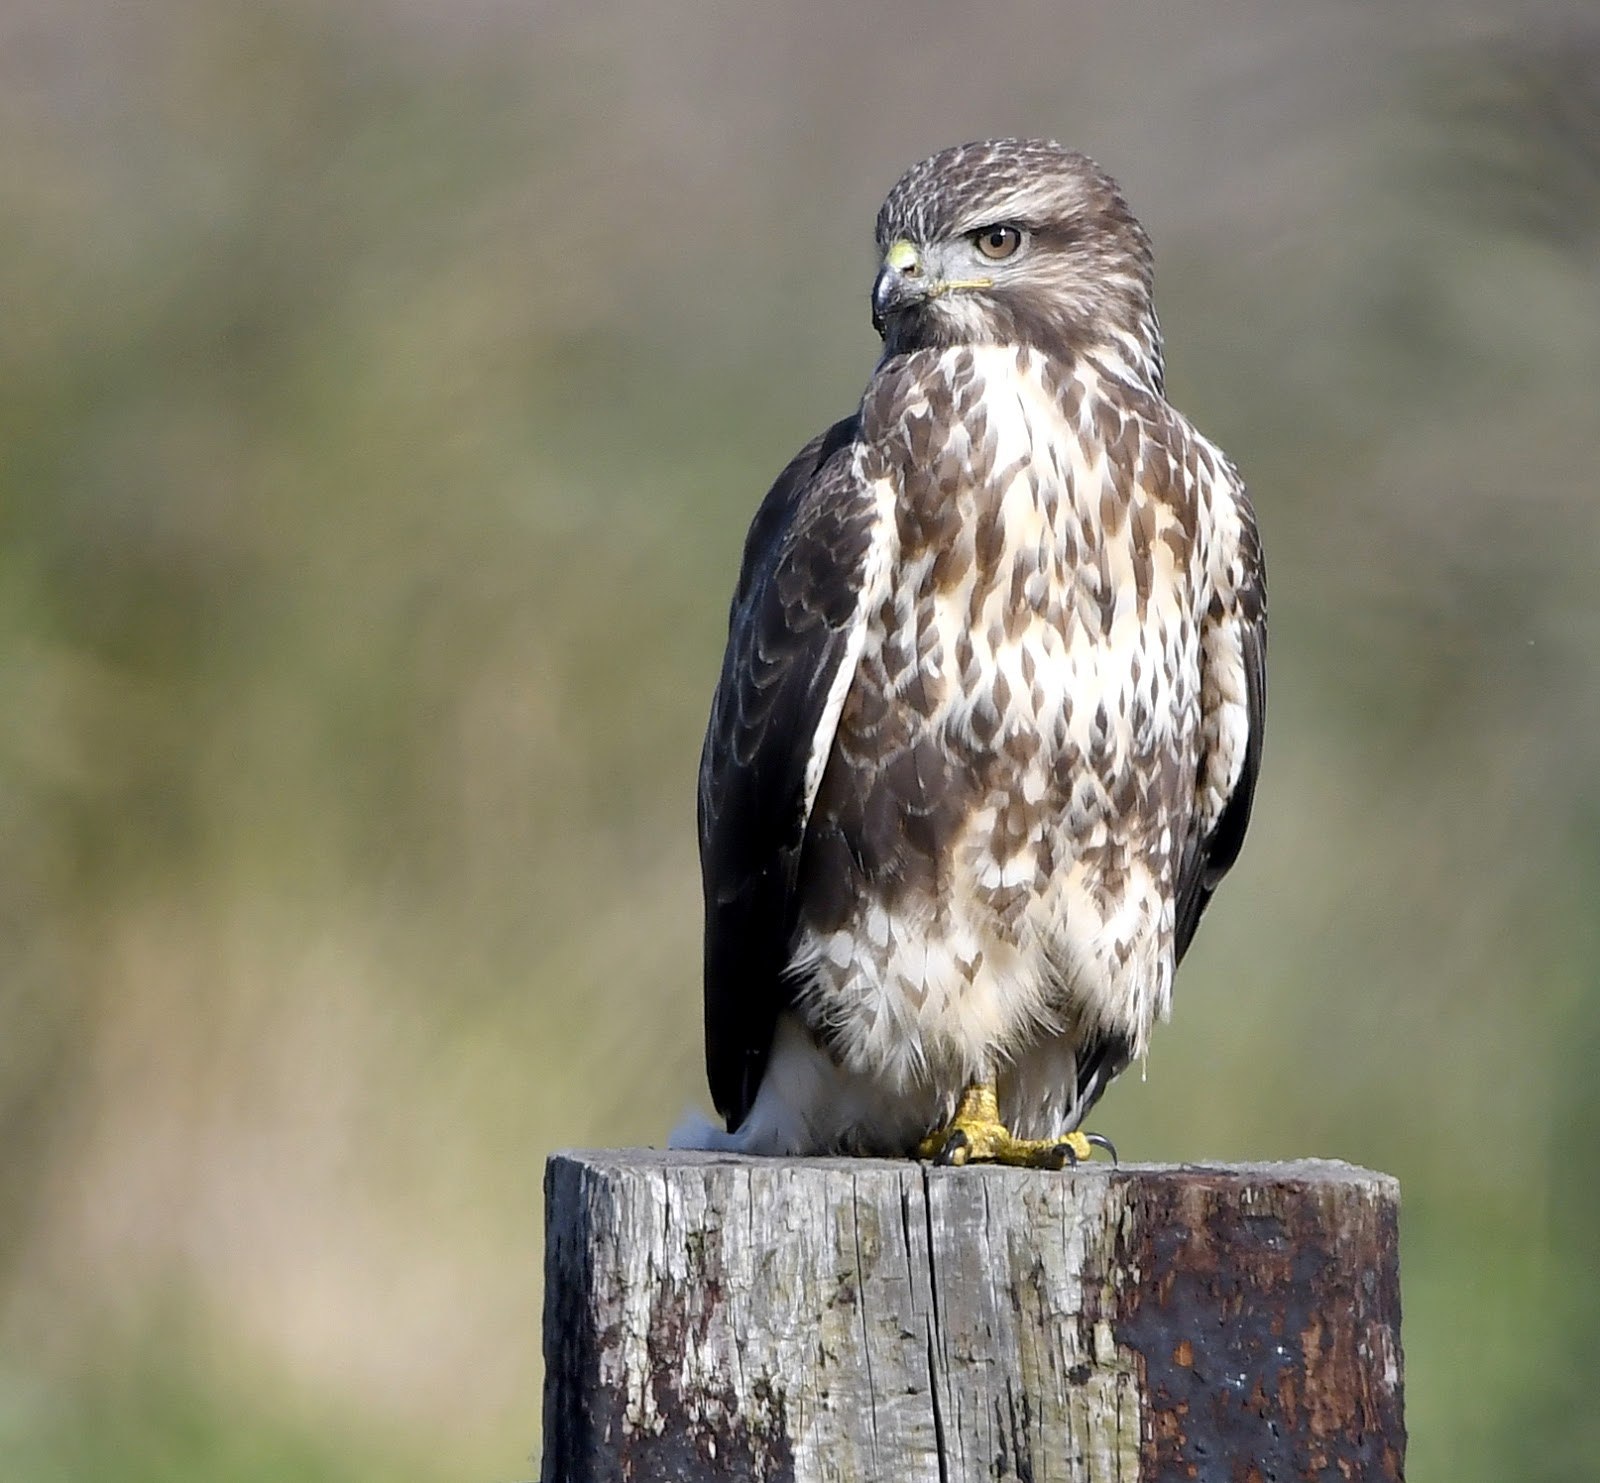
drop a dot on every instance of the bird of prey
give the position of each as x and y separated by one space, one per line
990 716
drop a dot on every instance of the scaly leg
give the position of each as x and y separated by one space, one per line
975 1135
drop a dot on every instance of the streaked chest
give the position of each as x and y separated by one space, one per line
1041 603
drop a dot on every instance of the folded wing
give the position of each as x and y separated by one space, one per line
1233 698
794 636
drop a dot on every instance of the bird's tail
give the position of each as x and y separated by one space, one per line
695 1130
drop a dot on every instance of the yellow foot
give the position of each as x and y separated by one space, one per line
975 1135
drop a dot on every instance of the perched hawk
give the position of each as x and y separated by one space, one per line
990 716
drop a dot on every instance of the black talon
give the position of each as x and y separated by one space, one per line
956 1143
1066 1156
1099 1140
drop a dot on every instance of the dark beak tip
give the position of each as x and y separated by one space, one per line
885 294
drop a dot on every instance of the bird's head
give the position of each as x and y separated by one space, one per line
1016 242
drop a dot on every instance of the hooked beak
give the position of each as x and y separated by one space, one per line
900 281
907 277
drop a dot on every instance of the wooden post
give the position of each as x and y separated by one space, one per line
711 1317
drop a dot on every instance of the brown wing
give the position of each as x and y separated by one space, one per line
797 601
1235 638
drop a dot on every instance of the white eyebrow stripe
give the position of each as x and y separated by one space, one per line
1023 208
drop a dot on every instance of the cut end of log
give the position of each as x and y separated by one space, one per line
711 1316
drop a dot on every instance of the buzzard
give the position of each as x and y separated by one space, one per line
990 716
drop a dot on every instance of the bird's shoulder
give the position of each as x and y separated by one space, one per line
794 607
1153 448
817 474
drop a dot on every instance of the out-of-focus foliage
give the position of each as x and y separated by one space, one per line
383 391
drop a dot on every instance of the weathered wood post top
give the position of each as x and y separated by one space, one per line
715 1317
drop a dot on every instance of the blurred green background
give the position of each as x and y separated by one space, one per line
384 389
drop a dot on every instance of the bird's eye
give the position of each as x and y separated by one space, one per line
997 242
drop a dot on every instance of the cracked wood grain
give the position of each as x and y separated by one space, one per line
713 1317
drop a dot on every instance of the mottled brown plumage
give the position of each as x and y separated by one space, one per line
990 715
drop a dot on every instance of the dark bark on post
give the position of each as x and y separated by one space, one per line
709 1317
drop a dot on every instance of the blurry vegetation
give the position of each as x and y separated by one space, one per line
383 392
1525 113
152 1420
